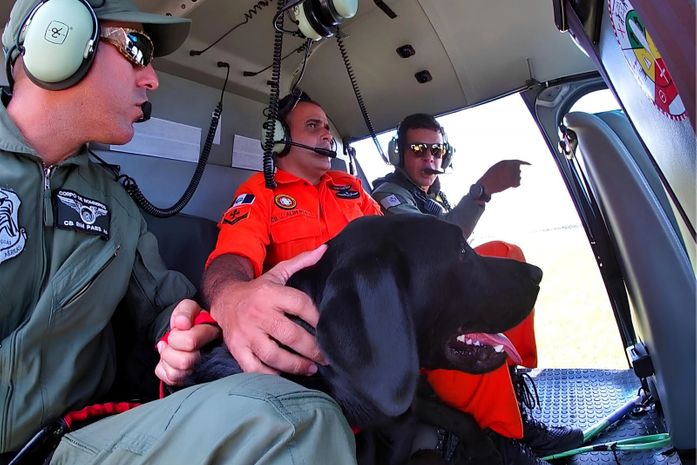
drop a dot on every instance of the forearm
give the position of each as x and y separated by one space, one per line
465 215
224 271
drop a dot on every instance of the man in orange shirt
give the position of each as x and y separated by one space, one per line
310 205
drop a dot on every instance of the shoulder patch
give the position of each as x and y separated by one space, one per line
243 199
390 201
234 215
12 236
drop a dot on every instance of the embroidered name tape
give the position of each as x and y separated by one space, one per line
82 214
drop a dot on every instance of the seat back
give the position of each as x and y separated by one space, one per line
658 274
185 242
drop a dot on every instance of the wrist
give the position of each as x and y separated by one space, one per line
478 193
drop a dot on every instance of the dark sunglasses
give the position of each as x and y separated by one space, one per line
421 149
135 45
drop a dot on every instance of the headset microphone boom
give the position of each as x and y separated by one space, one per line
318 150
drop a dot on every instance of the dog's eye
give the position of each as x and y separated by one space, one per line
463 253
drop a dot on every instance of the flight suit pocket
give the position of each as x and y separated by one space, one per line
293 236
294 229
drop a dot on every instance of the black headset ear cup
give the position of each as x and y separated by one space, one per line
393 152
58 41
313 12
450 151
448 157
326 12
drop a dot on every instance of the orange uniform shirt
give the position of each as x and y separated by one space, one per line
268 226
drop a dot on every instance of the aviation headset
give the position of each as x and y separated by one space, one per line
395 148
321 18
58 40
281 132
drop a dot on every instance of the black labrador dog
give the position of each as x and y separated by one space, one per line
396 294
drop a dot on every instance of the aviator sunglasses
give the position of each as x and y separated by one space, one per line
420 149
135 45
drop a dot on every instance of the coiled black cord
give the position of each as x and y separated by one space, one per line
249 14
134 191
357 92
131 187
279 26
272 110
308 49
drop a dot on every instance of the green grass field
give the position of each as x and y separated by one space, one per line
574 324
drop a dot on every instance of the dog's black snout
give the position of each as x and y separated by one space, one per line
535 274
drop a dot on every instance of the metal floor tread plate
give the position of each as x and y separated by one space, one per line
582 397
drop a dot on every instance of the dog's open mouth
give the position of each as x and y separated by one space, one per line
481 352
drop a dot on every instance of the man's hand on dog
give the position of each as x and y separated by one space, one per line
180 353
253 317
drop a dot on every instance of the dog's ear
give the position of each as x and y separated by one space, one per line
366 332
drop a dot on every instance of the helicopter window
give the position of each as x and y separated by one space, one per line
539 217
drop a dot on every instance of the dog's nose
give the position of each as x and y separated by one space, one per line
535 274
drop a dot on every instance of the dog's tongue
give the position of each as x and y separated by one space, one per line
497 339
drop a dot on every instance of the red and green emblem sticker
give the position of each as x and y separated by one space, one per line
644 59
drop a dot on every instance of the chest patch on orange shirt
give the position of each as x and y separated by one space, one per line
348 194
285 201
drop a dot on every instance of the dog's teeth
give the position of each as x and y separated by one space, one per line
477 343
461 338
469 341
498 348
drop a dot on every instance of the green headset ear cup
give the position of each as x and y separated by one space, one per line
281 131
281 137
320 18
344 9
58 42
393 152
304 23
334 12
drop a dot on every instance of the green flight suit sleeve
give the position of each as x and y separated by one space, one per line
466 215
394 199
